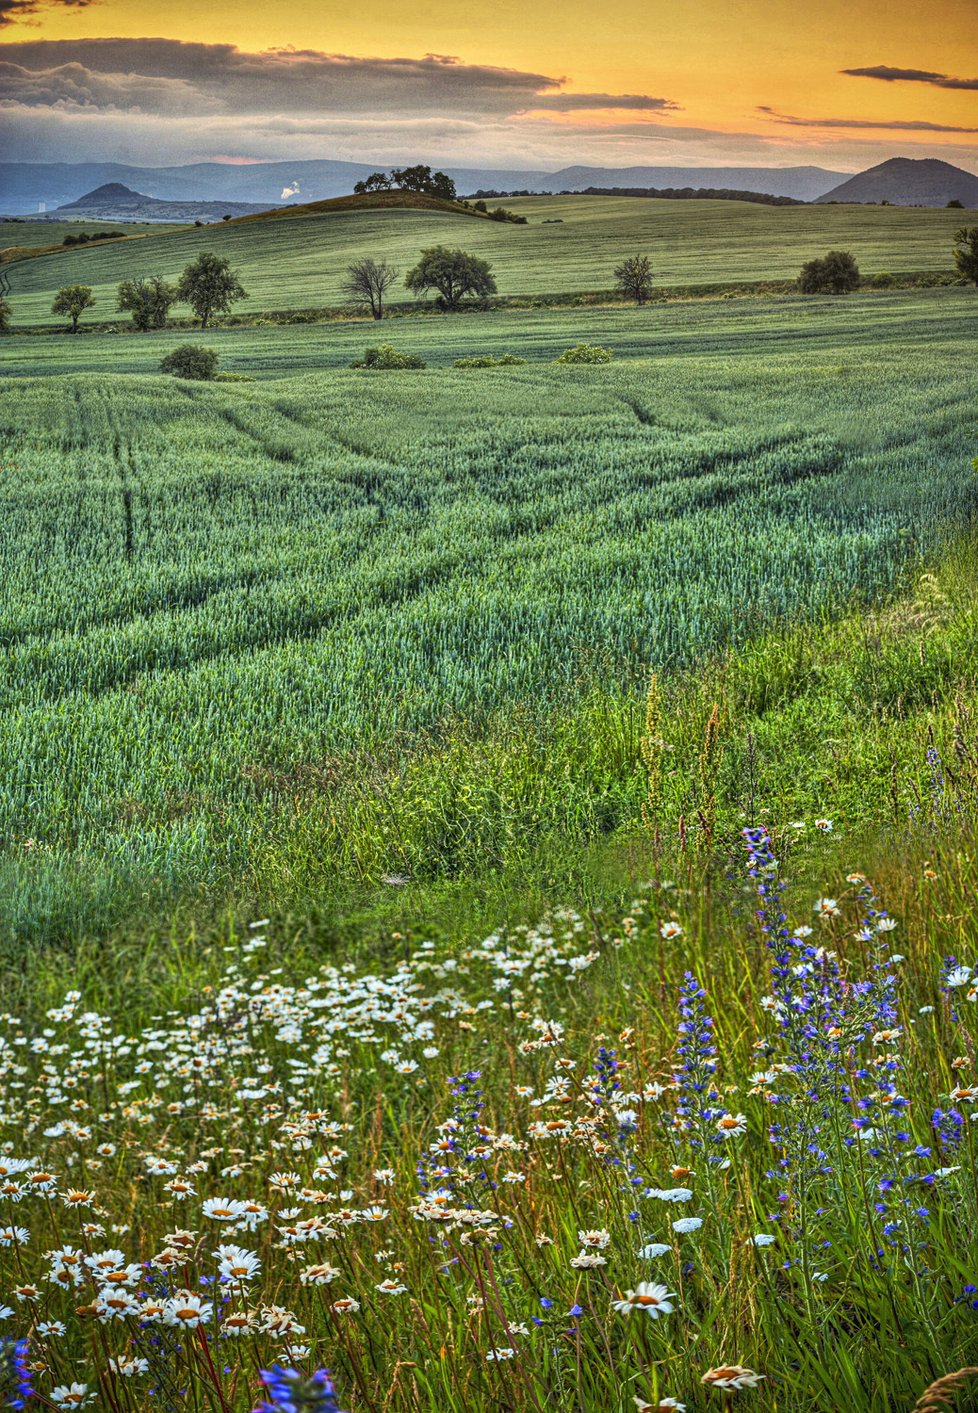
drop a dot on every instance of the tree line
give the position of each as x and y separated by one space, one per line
210 286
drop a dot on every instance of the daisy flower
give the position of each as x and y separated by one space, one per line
652 1299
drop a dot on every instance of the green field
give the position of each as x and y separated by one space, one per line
597 743
211 590
300 262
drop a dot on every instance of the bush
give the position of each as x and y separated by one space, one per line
585 353
386 356
835 273
191 360
489 360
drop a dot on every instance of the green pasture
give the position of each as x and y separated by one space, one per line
221 599
300 262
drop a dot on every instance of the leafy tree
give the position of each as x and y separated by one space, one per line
191 360
209 286
966 252
367 282
835 273
955 205
633 278
148 301
73 300
453 273
377 181
422 178
418 178
6 315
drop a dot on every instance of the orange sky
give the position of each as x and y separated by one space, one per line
720 61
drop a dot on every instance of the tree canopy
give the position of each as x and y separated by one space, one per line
209 286
148 301
835 273
73 300
453 274
417 178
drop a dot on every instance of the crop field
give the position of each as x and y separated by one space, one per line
300 262
214 590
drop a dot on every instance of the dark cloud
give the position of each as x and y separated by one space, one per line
892 124
598 102
12 11
891 75
221 78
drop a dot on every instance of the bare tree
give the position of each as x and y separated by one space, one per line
633 278
367 282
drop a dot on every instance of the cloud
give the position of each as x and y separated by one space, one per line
21 11
890 124
222 78
891 75
600 102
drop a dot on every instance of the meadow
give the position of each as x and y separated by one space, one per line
335 567
487 856
300 262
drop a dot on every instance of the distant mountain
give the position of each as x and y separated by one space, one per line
114 201
26 186
909 181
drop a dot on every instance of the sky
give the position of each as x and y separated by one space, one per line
530 84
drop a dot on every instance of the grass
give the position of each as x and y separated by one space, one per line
469 683
363 586
298 262
437 1126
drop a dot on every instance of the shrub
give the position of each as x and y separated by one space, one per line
386 356
835 273
191 360
585 353
489 360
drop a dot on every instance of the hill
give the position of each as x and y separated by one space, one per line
114 201
909 181
24 186
299 263
367 201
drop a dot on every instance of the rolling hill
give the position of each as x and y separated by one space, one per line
292 261
908 181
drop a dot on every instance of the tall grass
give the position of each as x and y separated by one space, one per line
269 641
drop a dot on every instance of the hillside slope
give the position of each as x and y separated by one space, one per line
301 263
908 181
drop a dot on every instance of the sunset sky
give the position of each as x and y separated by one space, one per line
526 83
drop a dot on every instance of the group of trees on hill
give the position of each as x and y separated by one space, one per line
418 178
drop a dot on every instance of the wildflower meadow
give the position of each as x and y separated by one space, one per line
717 1151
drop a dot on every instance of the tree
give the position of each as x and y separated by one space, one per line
73 300
453 273
367 282
422 178
377 181
633 278
148 301
6 315
966 252
191 360
835 273
209 286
